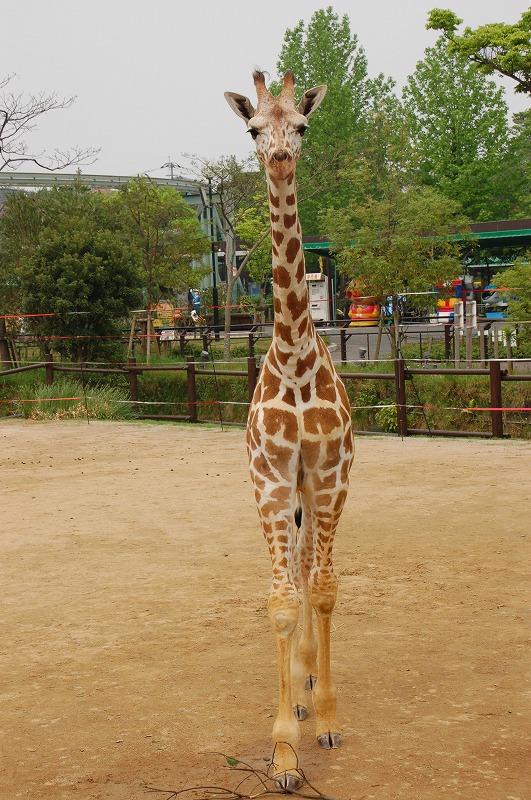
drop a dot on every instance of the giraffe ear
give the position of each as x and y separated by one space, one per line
311 100
241 105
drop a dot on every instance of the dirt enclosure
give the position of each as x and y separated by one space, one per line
135 640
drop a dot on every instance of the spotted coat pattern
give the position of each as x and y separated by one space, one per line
299 442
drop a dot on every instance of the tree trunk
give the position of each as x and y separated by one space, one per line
5 355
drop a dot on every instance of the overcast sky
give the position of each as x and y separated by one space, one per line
149 75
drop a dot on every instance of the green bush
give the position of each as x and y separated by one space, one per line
40 401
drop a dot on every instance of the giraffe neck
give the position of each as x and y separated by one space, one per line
293 324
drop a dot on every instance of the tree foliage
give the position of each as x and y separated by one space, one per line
458 124
165 234
496 47
63 257
327 51
239 189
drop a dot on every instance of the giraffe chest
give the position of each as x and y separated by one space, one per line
303 401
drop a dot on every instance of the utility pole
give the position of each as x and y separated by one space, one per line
215 298
171 165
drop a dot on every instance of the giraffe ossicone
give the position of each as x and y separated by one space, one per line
299 442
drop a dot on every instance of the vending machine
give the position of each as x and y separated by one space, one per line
319 296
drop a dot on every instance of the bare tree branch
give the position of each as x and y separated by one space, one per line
18 118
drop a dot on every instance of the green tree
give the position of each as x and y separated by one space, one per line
239 189
166 235
517 279
496 47
327 51
61 248
250 229
515 177
395 238
458 125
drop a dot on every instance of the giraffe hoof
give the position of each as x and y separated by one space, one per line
329 741
311 680
301 712
288 783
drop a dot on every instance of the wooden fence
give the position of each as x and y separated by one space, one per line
400 376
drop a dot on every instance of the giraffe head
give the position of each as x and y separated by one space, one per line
277 125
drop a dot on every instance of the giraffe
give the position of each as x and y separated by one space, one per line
299 443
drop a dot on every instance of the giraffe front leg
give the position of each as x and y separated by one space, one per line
283 613
323 592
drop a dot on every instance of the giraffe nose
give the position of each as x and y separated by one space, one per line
281 155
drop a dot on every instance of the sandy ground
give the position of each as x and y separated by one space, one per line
135 641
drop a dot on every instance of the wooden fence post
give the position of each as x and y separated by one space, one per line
133 380
48 357
448 341
251 376
182 343
251 345
343 345
400 392
191 389
496 398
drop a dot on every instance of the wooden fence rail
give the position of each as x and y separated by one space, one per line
400 376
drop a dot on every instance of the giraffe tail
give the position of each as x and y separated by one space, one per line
298 516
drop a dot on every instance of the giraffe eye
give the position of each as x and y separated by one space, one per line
302 130
253 132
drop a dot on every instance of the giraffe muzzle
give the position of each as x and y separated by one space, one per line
281 155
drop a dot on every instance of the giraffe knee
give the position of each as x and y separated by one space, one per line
284 614
323 593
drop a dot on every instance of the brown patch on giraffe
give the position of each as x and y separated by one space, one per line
328 482
325 386
282 356
262 467
301 330
271 384
348 441
289 397
277 305
304 364
289 220
290 200
345 469
281 277
274 217
283 332
306 392
340 502
324 418
333 453
323 500
275 201
277 420
281 493
278 236
310 452
272 359
292 248
271 508
343 394
297 305
279 457
301 270
289 180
